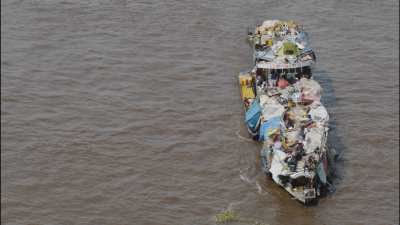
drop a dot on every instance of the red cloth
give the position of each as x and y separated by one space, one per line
282 83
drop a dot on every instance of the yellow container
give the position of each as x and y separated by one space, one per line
269 42
246 86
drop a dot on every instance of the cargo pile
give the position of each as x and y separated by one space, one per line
283 109
281 44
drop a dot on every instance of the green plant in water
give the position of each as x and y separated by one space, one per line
259 223
226 216
231 216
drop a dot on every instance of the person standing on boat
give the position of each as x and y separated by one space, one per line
273 79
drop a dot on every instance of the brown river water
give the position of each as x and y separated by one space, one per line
128 112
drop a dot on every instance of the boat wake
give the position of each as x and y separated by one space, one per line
243 138
251 181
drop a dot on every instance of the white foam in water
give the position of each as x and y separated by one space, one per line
245 178
243 138
259 188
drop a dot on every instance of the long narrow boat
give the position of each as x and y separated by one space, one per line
283 109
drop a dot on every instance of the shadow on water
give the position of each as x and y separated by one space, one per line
335 141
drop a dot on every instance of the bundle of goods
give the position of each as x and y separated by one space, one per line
281 44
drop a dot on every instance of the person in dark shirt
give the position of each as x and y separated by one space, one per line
274 78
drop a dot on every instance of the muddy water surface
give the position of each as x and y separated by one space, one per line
128 112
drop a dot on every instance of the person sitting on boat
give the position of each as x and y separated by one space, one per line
260 76
288 118
291 78
283 83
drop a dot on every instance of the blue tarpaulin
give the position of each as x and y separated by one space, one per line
269 126
253 115
321 173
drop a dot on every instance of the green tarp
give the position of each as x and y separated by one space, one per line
288 48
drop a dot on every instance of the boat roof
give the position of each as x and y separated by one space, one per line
277 65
